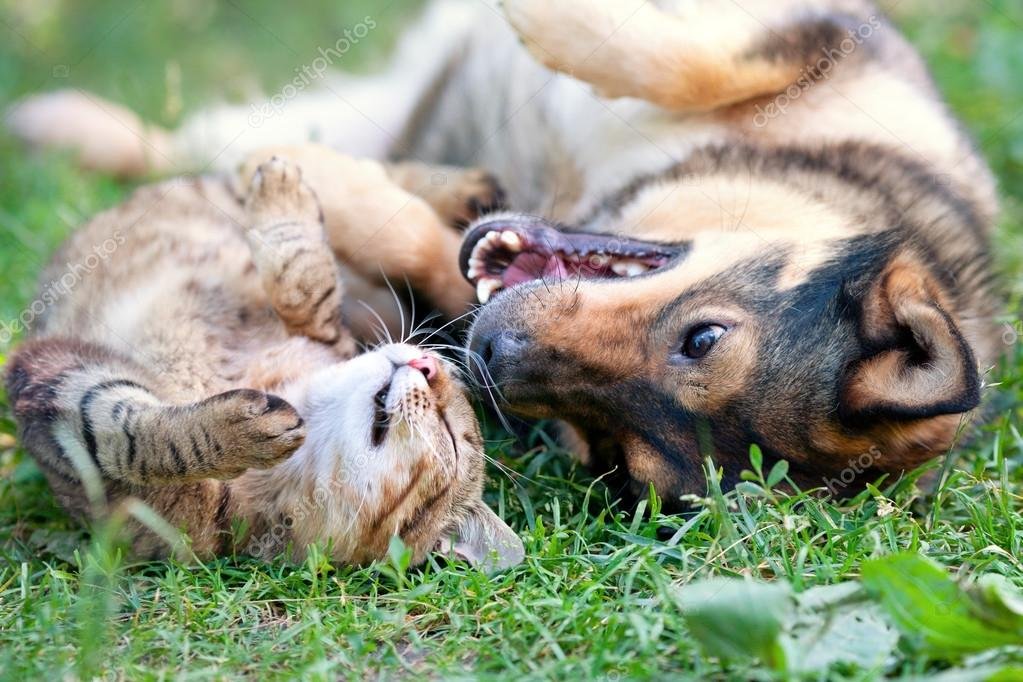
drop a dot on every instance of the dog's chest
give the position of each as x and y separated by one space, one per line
556 145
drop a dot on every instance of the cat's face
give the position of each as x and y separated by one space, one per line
397 439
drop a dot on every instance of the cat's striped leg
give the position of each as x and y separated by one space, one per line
83 409
297 266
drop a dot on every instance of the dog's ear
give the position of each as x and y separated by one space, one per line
918 365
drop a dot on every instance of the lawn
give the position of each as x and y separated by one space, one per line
598 596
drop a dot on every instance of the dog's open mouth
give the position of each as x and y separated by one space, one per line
501 253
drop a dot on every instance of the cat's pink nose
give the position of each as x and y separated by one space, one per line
427 365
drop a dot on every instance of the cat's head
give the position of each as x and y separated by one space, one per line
396 442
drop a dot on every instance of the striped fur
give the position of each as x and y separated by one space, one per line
203 369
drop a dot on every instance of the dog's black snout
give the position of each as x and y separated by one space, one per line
496 352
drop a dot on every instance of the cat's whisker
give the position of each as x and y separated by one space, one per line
421 328
382 332
412 312
488 380
453 321
397 302
510 473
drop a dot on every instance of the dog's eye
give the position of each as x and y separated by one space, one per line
701 339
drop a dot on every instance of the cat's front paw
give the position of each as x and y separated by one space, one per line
250 430
277 193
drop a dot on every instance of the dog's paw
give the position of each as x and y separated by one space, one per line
569 35
277 193
475 194
252 430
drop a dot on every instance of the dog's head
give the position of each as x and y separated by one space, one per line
831 346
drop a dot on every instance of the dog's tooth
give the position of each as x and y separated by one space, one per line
487 287
634 268
477 267
512 241
619 268
483 250
493 237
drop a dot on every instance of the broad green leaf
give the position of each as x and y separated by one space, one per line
739 619
852 635
838 624
931 609
998 603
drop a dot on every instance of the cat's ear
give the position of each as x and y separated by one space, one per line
484 540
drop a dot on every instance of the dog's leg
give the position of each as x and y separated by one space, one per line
109 138
458 195
377 228
360 115
705 55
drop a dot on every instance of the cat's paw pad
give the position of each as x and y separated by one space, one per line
277 193
254 429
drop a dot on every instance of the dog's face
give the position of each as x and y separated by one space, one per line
693 338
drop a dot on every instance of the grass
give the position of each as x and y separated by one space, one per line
596 597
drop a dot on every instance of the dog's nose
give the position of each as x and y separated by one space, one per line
498 350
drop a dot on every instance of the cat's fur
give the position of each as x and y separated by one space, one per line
200 365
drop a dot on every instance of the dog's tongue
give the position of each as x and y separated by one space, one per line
555 269
528 267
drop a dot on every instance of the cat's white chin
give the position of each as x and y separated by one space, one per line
372 417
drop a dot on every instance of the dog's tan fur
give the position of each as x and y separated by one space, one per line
842 242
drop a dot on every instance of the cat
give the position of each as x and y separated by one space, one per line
193 357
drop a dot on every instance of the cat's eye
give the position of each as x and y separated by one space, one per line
701 339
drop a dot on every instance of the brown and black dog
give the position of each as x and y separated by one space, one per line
815 282
738 222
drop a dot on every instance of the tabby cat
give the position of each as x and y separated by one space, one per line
196 361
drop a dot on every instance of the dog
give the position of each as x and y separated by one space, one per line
735 223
